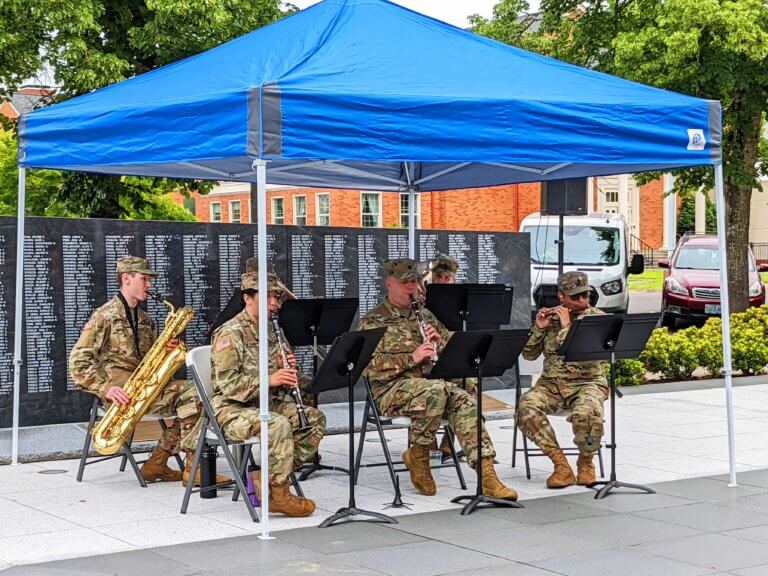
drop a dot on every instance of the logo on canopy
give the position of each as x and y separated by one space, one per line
696 139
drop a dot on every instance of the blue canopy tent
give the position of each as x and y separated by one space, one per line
366 94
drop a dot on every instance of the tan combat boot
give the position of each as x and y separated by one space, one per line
445 446
585 470
416 459
563 475
220 479
156 469
492 486
282 500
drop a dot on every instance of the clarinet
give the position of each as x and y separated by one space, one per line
303 420
416 307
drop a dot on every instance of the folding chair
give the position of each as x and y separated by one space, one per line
199 366
126 453
537 452
371 415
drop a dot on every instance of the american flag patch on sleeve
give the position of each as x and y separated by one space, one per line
223 344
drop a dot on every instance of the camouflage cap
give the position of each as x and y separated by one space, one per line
572 283
444 264
252 264
134 264
403 269
250 281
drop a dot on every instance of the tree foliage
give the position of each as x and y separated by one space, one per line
89 44
714 49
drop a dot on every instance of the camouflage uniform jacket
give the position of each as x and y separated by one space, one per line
235 367
555 368
392 357
105 354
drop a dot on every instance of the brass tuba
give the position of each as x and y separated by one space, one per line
145 384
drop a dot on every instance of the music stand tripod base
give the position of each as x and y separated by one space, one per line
609 485
348 514
478 499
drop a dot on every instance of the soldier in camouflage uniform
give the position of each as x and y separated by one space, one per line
396 374
444 269
113 342
579 387
236 388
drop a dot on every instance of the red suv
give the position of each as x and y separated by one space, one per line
692 281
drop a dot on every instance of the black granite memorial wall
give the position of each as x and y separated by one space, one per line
69 271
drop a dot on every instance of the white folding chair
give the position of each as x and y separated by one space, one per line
199 366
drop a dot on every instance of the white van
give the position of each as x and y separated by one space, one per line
597 244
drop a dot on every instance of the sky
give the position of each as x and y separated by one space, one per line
452 11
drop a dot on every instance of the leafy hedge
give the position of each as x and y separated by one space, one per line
677 355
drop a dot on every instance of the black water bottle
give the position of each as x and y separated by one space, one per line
208 472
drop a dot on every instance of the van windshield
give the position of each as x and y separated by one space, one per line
595 245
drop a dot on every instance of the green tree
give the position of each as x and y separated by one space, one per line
92 43
41 185
715 49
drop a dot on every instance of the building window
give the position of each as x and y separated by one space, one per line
234 211
215 211
404 210
612 196
300 210
278 211
370 209
323 202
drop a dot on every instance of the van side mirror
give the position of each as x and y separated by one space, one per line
663 263
637 266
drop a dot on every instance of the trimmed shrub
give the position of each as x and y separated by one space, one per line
676 356
629 372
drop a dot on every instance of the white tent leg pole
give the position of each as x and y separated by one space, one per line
411 223
261 230
725 313
19 321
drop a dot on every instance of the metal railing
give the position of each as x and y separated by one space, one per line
759 250
637 246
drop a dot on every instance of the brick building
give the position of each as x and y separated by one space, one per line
496 209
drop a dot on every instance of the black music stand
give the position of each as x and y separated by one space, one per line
346 360
314 322
610 337
317 321
478 354
470 306
463 307
233 307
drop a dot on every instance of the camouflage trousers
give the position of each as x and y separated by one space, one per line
179 398
584 401
427 402
289 448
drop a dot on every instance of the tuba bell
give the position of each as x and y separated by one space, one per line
145 384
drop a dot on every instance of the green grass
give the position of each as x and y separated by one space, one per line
764 276
649 281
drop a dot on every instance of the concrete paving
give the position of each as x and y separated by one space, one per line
688 528
663 436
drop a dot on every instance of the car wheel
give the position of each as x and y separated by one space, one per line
669 321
